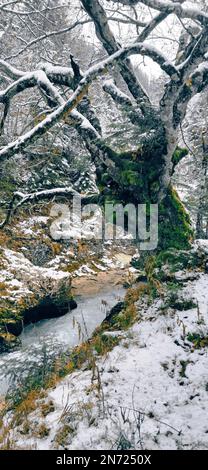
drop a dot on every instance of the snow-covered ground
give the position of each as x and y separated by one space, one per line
151 390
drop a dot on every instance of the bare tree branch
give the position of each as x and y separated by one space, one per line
171 7
133 111
19 199
47 35
66 108
97 13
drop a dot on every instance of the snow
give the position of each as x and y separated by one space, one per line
54 69
83 270
11 71
71 226
203 244
187 11
142 374
123 259
85 123
110 87
202 68
99 266
22 278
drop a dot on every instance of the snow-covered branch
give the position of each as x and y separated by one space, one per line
97 13
152 25
9 3
10 71
56 74
66 88
19 199
29 80
196 55
32 10
134 113
195 83
175 7
50 92
63 111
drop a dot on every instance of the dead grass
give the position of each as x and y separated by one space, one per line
42 431
84 354
62 435
27 405
47 408
135 293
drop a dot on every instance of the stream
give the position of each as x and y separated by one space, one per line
43 341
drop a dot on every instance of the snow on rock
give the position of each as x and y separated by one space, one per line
24 285
27 271
123 259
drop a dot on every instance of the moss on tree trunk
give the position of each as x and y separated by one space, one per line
137 180
174 223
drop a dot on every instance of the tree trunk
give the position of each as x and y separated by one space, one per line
138 180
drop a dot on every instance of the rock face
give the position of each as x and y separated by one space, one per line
49 307
36 269
29 293
114 311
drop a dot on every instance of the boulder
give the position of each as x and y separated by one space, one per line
114 311
29 293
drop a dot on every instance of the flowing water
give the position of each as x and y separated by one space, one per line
43 341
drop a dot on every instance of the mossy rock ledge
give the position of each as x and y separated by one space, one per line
28 294
172 264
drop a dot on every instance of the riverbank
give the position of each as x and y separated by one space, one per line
43 343
37 273
147 390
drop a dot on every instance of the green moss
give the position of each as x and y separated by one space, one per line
105 179
7 186
104 343
132 178
174 223
184 365
198 340
177 303
138 181
126 319
179 259
178 155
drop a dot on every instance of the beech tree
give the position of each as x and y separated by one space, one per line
139 176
